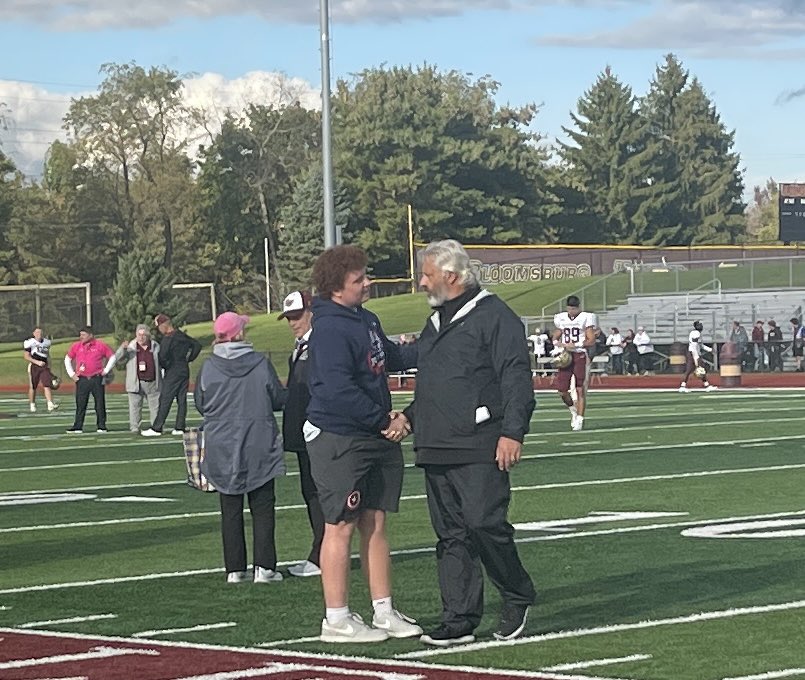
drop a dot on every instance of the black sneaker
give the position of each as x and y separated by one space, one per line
445 636
512 621
74 430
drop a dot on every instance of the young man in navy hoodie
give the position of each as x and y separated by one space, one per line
352 438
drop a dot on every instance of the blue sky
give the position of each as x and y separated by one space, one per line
750 56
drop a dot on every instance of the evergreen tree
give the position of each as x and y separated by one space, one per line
301 238
601 169
142 289
693 187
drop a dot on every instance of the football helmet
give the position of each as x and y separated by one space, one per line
700 372
563 359
55 382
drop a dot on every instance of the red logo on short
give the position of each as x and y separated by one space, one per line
354 500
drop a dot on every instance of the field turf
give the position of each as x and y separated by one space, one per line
666 540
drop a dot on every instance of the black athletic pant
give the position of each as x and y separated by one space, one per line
83 388
261 506
468 507
314 513
173 387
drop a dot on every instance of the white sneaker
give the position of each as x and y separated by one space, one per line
263 575
238 576
32 407
683 389
175 431
578 424
151 433
102 430
396 625
306 568
711 388
351 629
53 407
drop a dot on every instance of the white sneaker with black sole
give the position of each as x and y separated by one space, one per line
351 629
396 625
150 433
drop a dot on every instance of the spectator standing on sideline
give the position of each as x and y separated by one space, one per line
644 351
237 392
797 341
84 363
630 353
775 346
296 309
143 376
177 350
575 332
739 336
36 351
352 437
472 407
759 346
615 344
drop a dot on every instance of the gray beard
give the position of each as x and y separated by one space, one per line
435 300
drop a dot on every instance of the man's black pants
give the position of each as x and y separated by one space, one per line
314 512
173 387
468 507
83 388
261 506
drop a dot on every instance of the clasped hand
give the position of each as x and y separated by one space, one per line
399 427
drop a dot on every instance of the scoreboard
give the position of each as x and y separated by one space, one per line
792 212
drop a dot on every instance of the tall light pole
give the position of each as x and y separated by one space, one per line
330 235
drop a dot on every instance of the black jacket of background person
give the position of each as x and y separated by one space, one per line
176 351
296 405
479 358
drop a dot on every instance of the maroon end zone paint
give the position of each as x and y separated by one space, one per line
29 656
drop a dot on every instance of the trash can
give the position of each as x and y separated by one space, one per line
676 357
729 359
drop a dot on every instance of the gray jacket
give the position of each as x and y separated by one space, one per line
129 355
237 391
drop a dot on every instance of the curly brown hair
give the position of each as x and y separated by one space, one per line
332 266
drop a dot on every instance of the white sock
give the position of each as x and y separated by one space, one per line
336 614
684 384
706 384
51 404
573 410
383 605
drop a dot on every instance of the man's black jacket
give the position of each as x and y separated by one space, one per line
478 361
176 351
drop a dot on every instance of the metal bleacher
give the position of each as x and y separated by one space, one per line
668 317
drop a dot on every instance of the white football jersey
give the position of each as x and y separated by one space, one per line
695 343
573 330
37 349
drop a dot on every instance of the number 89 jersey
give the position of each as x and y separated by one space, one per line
573 329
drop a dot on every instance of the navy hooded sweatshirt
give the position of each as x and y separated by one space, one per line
349 360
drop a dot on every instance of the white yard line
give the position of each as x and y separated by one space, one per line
191 629
100 653
102 463
771 675
74 619
592 663
407 551
280 643
614 628
417 497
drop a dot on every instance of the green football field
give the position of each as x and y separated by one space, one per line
666 540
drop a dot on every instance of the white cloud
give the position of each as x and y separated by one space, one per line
707 28
33 115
